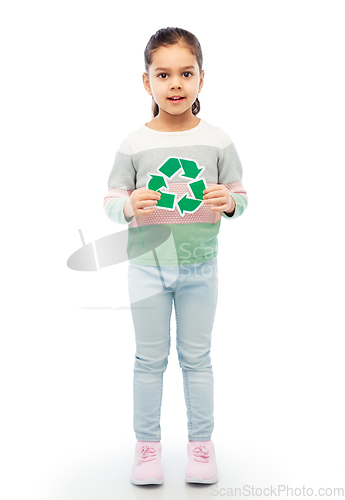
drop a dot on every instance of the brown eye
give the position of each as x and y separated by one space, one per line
161 75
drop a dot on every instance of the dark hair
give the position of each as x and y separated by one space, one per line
171 36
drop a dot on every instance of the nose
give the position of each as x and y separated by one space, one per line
175 83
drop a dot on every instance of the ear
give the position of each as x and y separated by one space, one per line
201 84
146 83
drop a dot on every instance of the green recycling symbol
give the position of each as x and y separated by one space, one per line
168 169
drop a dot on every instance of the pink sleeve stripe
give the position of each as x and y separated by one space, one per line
116 193
237 187
204 214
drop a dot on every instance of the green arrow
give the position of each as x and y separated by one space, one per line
190 169
188 204
170 167
167 200
156 182
198 187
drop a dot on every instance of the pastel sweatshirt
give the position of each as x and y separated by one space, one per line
180 165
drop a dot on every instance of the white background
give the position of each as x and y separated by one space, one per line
71 91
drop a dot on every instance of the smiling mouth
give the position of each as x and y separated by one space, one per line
175 98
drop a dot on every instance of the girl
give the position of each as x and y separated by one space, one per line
180 174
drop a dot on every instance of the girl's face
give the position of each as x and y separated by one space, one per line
174 72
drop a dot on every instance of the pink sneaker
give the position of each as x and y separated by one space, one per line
147 467
202 466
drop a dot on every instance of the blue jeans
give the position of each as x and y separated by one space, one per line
194 290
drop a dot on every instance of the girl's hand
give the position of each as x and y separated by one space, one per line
139 199
218 195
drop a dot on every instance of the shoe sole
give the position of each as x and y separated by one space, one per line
199 479
149 480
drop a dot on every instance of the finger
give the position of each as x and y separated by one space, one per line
213 194
152 193
220 208
155 194
146 206
207 191
149 195
217 200
144 190
209 195
145 211
148 203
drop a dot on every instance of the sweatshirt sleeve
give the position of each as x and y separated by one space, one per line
121 184
230 174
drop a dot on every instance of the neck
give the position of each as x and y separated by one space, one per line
175 123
